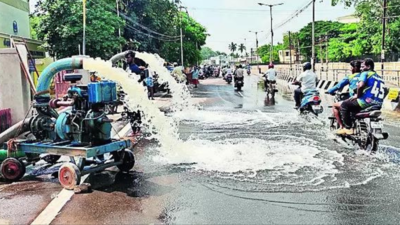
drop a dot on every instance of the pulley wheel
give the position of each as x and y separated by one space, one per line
69 176
12 169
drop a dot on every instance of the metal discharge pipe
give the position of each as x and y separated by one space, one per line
48 74
119 56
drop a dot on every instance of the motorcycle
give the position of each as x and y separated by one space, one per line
367 124
164 87
311 103
228 78
239 83
248 72
268 89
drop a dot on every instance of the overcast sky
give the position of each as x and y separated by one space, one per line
231 20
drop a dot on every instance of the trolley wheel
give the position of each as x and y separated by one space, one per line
128 160
69 176
12 169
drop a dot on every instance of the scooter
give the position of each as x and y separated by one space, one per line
228 78
239 83
311 103
367 124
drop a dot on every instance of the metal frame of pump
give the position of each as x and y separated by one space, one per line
84 131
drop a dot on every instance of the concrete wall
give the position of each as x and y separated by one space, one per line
14 89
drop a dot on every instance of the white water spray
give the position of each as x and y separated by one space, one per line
181 99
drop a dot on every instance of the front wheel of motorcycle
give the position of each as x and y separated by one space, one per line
372 144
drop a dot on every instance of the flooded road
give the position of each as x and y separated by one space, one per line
242 160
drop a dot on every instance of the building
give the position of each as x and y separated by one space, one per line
348 19
14 23
284 57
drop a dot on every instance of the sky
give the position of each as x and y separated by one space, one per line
231 20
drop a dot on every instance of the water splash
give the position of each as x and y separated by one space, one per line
181 100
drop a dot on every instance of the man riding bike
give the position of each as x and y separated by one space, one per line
370 93
239 74
270 77
352 81
308 82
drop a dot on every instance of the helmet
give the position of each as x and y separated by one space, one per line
307 66
271 66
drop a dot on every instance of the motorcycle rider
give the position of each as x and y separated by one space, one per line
239 74
270 76
370 92
352 81
307 81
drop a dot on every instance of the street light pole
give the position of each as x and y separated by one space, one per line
119 28
271 55
383 35
256 33
313 37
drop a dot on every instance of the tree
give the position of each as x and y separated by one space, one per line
34 22
194 36
207 52
233 47
242 48
61 27
264 52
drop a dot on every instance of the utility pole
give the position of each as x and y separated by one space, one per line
256 32
84 28
271 55
383 34
251 55
119 28
313 37
181 31
290 52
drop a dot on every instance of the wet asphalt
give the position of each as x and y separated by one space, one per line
336 185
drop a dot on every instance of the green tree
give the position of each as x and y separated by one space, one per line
232 47
194 36
242 48
61 27
34 22
207 52
264 52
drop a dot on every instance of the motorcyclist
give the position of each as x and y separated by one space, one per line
239 74
307 81
352 81
270 76
370 93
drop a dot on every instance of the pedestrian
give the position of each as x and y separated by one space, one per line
150 84
189 75
195 77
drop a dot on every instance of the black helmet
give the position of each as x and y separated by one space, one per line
307 66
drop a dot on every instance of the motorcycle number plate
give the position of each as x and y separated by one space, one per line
316 107
377 125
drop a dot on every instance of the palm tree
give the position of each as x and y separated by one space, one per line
242 48
233 47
